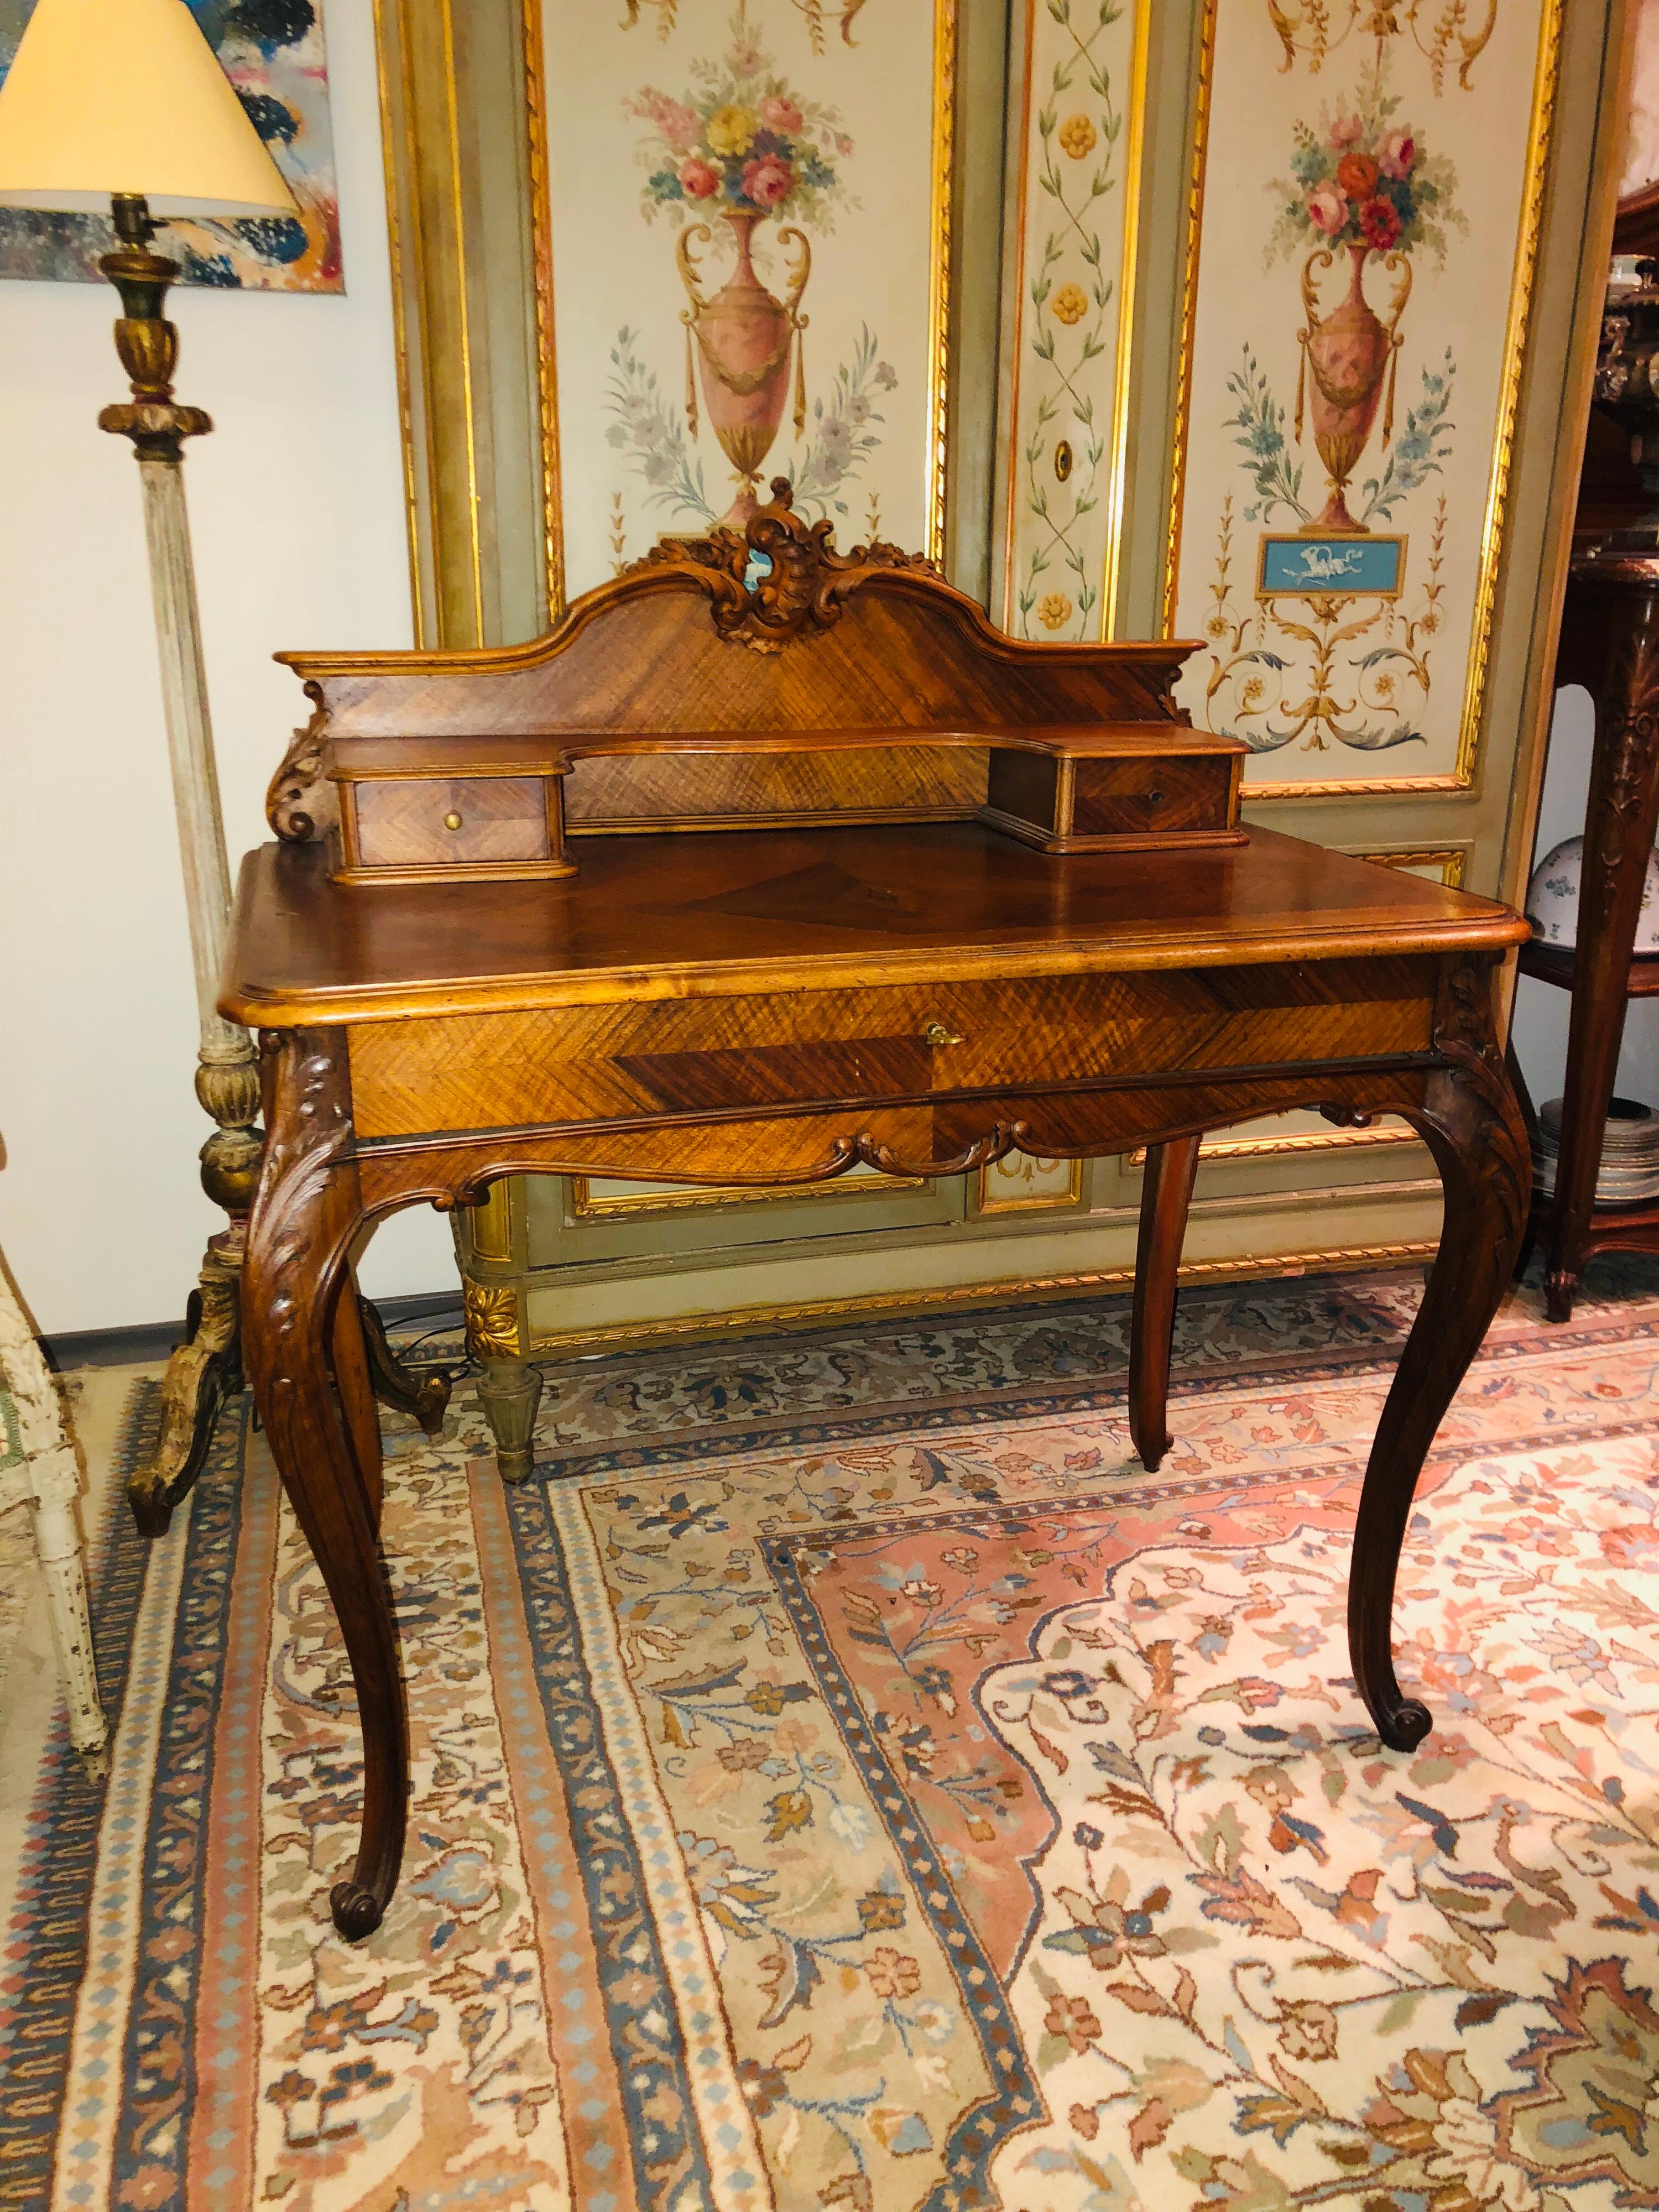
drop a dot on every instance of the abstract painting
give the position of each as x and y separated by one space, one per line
272 52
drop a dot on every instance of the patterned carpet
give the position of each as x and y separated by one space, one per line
857 1783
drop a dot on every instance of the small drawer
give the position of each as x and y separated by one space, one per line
428 823
1149 797
1103 801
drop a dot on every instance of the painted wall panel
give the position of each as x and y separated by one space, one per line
1074 178
747 275
1369 190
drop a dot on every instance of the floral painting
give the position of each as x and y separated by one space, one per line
1068 330
741 143
744 272
272 52
1353 352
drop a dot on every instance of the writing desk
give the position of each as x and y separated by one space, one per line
769 1006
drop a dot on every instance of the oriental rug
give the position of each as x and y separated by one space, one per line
846 1779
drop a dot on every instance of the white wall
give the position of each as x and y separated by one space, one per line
297 510
1541 1010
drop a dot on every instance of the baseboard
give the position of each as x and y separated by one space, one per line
147 1344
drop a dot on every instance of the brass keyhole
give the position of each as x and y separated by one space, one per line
452 820
937 1034
1153 798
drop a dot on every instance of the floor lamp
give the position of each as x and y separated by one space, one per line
120 105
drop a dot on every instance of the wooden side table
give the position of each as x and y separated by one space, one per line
1609 644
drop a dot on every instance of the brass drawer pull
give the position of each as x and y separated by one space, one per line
452 820
937 1034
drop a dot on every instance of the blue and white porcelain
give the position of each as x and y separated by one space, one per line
1552 898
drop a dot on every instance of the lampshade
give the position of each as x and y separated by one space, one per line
108 96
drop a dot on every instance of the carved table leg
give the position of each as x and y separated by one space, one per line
1513 1069
1472 1124
348 1353
424 1396
296 1280
1165 1195
509 1391
509 1387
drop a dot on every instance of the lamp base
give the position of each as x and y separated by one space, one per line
206 1369
203 1370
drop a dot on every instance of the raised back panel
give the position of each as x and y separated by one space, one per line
682 643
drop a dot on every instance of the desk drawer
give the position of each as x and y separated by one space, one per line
734 1056
435 821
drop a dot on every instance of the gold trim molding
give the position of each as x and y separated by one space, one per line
690 1197
1184 406
1546 80
938 277
1450 860
457 156
403 239
541 247
1047 1201
1305 1140
1345 1260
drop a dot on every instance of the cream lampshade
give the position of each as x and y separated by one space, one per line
125 98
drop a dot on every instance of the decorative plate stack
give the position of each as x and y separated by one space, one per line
1552 898
1630 1152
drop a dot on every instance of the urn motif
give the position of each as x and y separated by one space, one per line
1346 356
742 337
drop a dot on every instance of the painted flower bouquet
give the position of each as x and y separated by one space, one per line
1363 179
741 142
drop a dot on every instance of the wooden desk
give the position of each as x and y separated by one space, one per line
772 1006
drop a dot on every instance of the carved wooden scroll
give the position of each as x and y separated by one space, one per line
805 584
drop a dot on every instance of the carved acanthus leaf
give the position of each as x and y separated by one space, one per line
1471 1103
301 803
296 1212
803 590
492 1320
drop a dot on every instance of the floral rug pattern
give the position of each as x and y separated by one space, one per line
847 1778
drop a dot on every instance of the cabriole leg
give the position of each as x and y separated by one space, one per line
1165 1195
1473 1125
296 1275
353 1380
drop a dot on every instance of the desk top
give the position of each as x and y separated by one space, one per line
690 915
